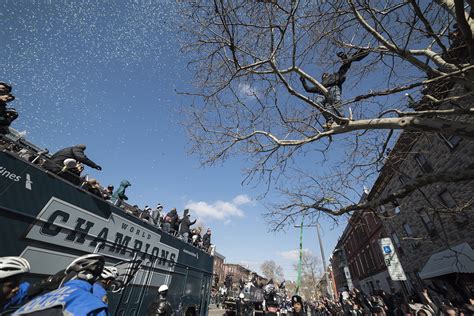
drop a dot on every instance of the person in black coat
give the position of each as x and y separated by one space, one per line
56 163
206 240
185 223
333 83
170 221
297 303
161 306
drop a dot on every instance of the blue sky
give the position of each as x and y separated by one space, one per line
105 73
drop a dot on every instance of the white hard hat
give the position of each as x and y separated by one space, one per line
241 295
163 288
88 266
69 162
10 266
109 272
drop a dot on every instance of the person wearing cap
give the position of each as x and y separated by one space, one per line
161 306
56 162
75 296
92 186
107 195
206 240
297 304
12 291
170 221
99 289
119 195
156 214
185 225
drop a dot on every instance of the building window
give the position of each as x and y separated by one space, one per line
423 163
408 230
378 252
396 240
461 218
396 206
403 179
373 263
427 222
397 243
361 265
451 140
447 199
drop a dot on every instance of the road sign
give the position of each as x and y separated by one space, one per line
394 266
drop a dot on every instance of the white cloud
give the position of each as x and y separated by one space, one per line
241 199
219 210
291 254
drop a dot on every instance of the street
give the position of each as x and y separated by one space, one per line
214 311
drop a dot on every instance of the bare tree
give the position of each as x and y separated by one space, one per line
258 93
311 273
271 270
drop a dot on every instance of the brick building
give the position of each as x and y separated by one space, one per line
357 259
237 271
339 266
433 218
423 226
218 269
431 226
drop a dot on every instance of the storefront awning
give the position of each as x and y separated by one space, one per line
457 259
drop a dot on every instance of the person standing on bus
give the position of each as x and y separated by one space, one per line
185 225
56 163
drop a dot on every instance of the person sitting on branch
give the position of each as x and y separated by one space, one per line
333 83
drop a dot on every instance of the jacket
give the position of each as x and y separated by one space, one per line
74 298
19 298
185 224
119 194
206 240
173 215
100 292
160 307
56 162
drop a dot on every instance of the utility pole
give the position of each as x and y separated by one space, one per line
326 273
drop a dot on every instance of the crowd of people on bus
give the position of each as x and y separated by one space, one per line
80 289
68 163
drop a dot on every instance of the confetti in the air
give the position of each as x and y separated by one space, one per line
67 57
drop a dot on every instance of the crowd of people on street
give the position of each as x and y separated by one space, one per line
276 300
356 302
